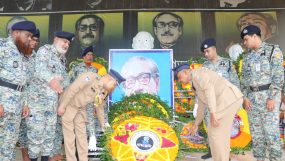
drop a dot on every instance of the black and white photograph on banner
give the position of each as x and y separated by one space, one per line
25 5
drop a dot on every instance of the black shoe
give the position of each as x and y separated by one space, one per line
207 156
44 158
35 159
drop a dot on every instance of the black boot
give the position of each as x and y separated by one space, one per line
35 159
207 156
44 158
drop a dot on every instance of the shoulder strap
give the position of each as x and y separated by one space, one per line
230 66
267 54
272 50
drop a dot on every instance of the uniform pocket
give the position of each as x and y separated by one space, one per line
69 114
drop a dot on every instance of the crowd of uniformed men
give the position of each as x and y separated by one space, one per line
31 83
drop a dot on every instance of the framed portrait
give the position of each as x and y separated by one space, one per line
41 21
231 3
103 31
25 5
145 71
180 31
230 24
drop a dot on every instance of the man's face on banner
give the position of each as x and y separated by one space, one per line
140 78
257 20
167 30
25 5
88 32
1 5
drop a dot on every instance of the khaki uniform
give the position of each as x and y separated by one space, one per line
74 73
222 98
225 68
81 92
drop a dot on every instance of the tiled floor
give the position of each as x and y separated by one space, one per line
193 157
247 157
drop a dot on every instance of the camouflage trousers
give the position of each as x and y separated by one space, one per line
10 123
41 128
207 116
91 120
264 127
9 132
23 138
57 148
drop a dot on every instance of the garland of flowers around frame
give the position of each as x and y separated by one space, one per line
131 107
139 104
145 139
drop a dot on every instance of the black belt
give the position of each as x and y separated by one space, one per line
259 88
12 86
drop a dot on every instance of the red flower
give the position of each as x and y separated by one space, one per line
167 143
131 127
122 138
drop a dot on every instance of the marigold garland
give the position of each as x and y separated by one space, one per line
144 138
238 65
139 105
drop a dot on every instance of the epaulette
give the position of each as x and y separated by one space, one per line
272 45
46 46
5 45
3 40
227 59
206 62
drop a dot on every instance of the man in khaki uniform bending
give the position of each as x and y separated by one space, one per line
223 100
87 88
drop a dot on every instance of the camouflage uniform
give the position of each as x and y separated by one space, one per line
13 69
74 73
43 101
225 68
23 138
260 68
57 142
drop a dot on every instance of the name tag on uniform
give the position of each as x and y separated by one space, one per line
24 67
257 67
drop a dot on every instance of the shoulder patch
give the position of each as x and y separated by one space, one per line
278 55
